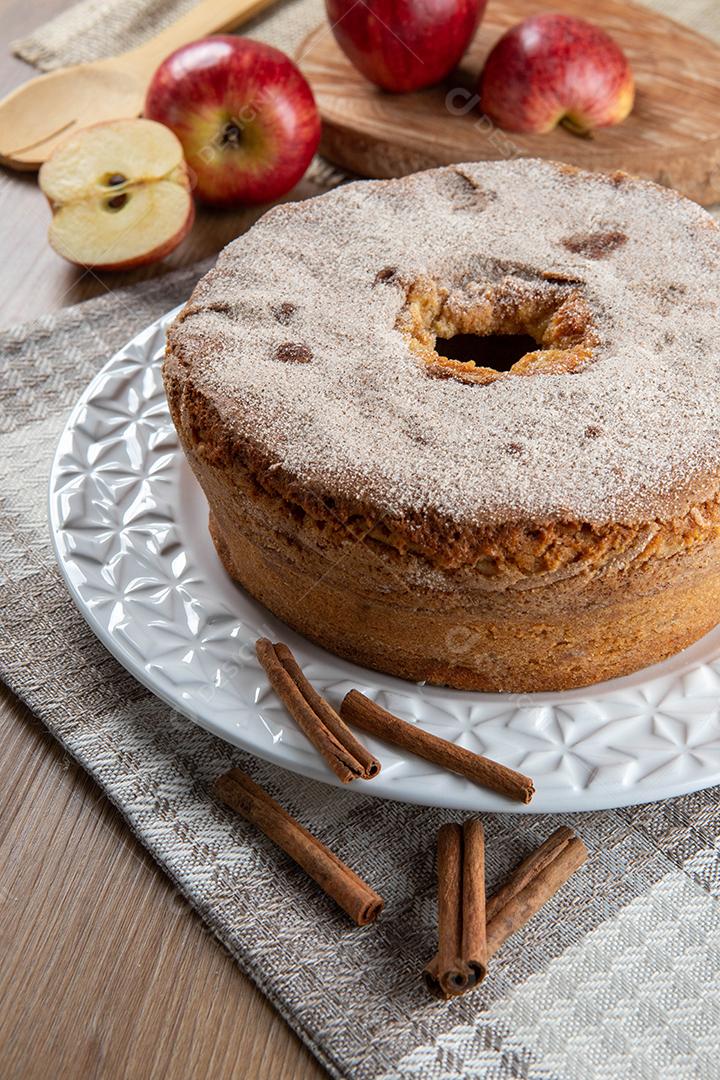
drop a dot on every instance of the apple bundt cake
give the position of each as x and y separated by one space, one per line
464 427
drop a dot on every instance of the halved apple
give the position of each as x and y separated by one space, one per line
119 193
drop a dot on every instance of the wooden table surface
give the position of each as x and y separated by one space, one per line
106 971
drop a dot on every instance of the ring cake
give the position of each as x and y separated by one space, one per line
464 427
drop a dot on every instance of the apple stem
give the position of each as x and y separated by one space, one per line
576 129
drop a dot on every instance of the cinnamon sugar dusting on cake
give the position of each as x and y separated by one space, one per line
365 421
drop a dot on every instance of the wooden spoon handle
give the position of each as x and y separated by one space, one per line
207 17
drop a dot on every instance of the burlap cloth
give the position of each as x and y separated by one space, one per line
619 977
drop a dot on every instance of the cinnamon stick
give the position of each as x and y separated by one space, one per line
461 959
365 714
446 974
474 939
532 884
345 754
346 888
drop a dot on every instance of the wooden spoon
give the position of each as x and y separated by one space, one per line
40 113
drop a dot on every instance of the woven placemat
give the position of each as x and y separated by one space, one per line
92 29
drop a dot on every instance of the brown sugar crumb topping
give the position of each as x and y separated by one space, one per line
292 353
595 245
284 312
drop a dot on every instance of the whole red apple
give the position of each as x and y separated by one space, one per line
403 45
244 114
554 69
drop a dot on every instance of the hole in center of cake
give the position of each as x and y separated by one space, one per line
497 351
477 333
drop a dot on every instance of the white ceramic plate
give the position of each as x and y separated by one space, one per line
129 525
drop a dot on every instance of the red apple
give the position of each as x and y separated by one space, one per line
119 193
554 69
403 45
244 114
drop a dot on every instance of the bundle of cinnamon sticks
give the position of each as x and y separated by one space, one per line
471 929
316 718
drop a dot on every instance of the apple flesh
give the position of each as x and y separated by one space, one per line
119 194
555 69
244 113
403 45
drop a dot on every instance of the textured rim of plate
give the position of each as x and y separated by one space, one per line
128 526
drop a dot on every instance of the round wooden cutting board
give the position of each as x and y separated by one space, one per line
672 135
